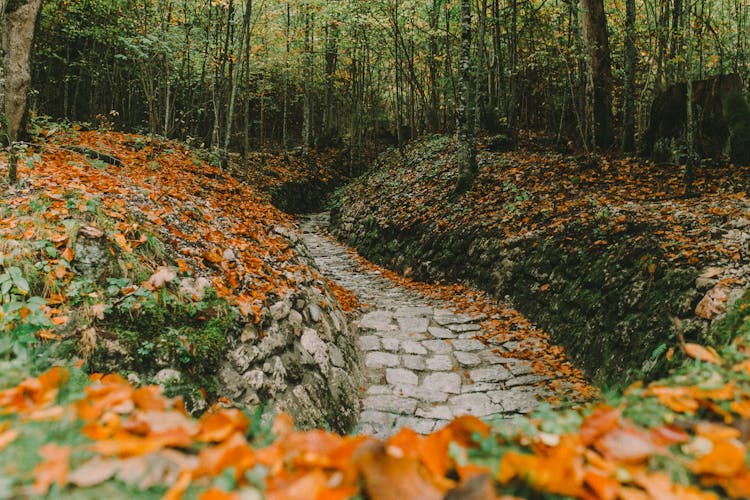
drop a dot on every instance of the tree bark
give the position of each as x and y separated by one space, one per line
631 59
466 155
594 28
17 31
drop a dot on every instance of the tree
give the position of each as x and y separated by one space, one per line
631 58
466 154
594 28
17 23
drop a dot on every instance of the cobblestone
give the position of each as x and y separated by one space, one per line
411 349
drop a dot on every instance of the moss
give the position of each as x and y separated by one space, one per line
160 330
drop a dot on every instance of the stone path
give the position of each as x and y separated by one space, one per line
423 364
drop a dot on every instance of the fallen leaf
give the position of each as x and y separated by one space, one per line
701 353
94 471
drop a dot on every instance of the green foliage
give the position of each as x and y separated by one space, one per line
161 329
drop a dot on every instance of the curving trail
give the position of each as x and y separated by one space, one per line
422 362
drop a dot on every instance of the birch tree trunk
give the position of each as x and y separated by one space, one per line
466 154
17 31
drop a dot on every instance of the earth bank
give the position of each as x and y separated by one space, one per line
608 273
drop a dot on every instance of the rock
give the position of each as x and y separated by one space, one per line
279 310
468 345
414 312
378 359
194 288
514 400
254 379
369 343
295 320
413 362
400 376
467 358
491 374
390 344
713 303
314 311
477 404
449 382
249 333
412 347
440 332
337 357
438 346
228 255
391 404
439 362
168 376
91 258
438 412
318 349
464 327
243 356
409 324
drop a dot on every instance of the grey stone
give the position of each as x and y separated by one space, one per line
439 412
228 255
439 346
410 324
167 376
477 404
439 362
279 310
194 288
468 345
440 332
377 359
490 374
413 362
318 349
422 393
295 320
249 333
376 320
243 356
369 343
418 425
390 344
480 387
254 379
464 327
412 347
514 400
337 357
314 312
414 312
452 319
443 382
400 376
467 358
391 404
524 380
518 367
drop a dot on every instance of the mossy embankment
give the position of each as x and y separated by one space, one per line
606 259
161 267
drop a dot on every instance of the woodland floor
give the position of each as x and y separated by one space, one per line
430 352
429 360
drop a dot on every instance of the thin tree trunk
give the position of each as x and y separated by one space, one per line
466 155
631 57
689 122
238 66
594 28
307 97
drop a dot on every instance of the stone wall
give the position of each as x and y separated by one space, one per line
612 307
301 357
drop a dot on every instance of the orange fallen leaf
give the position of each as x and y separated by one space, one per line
701 353
54 468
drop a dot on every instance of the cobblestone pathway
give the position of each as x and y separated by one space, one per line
423 364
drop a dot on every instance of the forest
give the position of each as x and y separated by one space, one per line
307 249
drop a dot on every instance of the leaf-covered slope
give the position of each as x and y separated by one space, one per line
600 255
145 260
684 437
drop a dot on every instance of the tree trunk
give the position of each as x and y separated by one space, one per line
689 122
307 97
466 155
594 28
631 58
17 31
